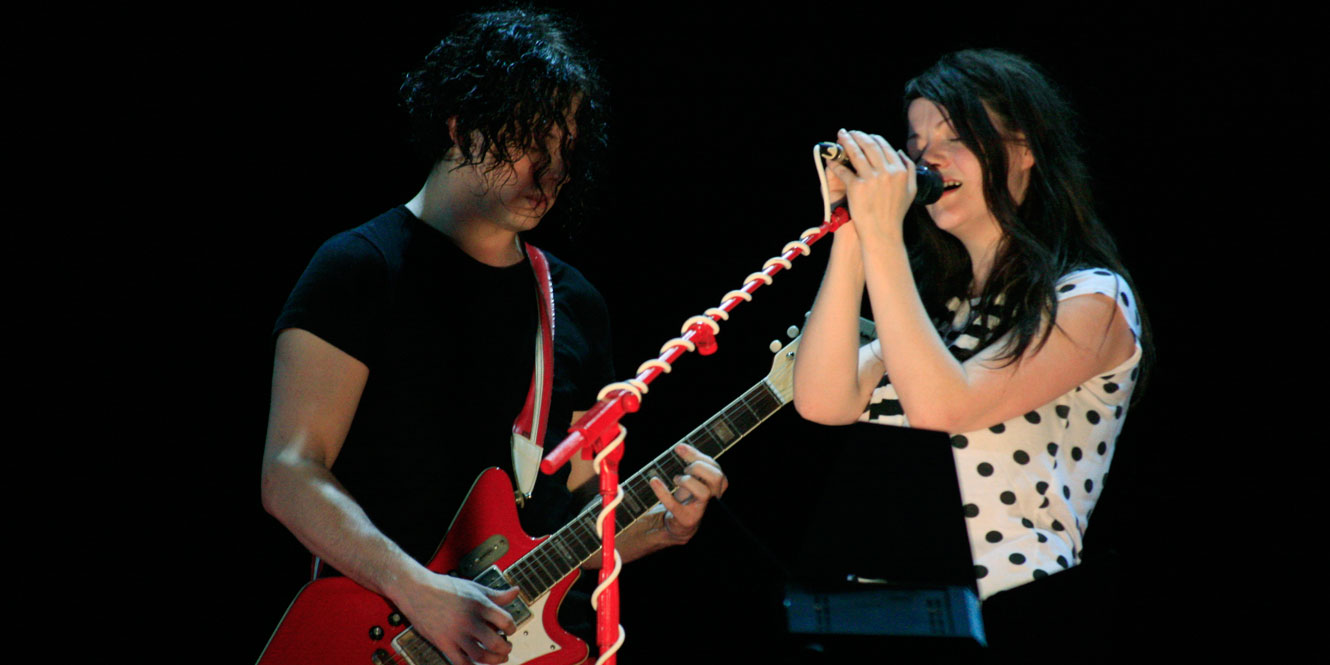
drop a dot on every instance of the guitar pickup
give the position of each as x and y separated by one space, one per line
484 556
494 579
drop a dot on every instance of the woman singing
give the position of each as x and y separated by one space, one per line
1010 324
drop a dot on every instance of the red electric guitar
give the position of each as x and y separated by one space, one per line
335 621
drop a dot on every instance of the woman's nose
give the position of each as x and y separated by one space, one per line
932 154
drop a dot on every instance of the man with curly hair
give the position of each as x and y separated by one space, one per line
405 350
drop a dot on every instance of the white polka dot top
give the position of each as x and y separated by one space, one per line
1029 484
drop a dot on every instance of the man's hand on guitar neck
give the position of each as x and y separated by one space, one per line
460 618
701 481
676 519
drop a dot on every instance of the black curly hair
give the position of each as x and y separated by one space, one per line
510 78
1051 232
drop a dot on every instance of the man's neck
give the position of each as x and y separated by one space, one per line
442 203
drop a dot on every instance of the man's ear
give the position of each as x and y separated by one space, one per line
452 129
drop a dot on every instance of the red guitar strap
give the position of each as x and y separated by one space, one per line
529 428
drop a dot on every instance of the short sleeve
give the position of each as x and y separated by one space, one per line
1105 282
340 296
1113 387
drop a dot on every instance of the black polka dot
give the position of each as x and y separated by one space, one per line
959 441
1062 561
1102 448
1125 300
1045 503
1110 387
1016 558
1076 453
1063 410
1066 492
1052 448
1117 413
993 537
985 469
1105 273
980 572
1032 417
1135 372
1066 287
1039 574
1007 497
971 510
1042 537
1092 416
1089 486
1025 522
1057 526
1055 464
998 428
1021 457
1039 487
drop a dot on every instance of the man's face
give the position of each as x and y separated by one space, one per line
509 195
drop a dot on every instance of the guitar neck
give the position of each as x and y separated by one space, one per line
575 543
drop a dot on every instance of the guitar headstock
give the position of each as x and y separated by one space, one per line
781 377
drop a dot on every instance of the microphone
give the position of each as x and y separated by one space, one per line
928 182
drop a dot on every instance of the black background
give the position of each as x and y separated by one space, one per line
248 139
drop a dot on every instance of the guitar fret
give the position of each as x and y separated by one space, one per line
527 578
588 539
631 503
709 442
517 574
640 490
547 577
567 556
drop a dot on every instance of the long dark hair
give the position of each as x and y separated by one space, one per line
509 77
1051 232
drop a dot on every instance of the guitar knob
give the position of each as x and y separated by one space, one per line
793 331
375 633
395 619
774 345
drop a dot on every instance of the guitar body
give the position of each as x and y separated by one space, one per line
333 621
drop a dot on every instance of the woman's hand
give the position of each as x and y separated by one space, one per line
881 186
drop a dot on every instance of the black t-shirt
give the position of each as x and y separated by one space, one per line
449 343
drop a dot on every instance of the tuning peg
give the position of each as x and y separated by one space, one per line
792 331
774 345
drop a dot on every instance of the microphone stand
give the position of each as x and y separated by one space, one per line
599 436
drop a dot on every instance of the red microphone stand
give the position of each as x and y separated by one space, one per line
599 436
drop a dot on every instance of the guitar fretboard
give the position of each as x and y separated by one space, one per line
576 542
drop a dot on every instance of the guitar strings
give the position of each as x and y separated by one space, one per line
546 566
537 560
